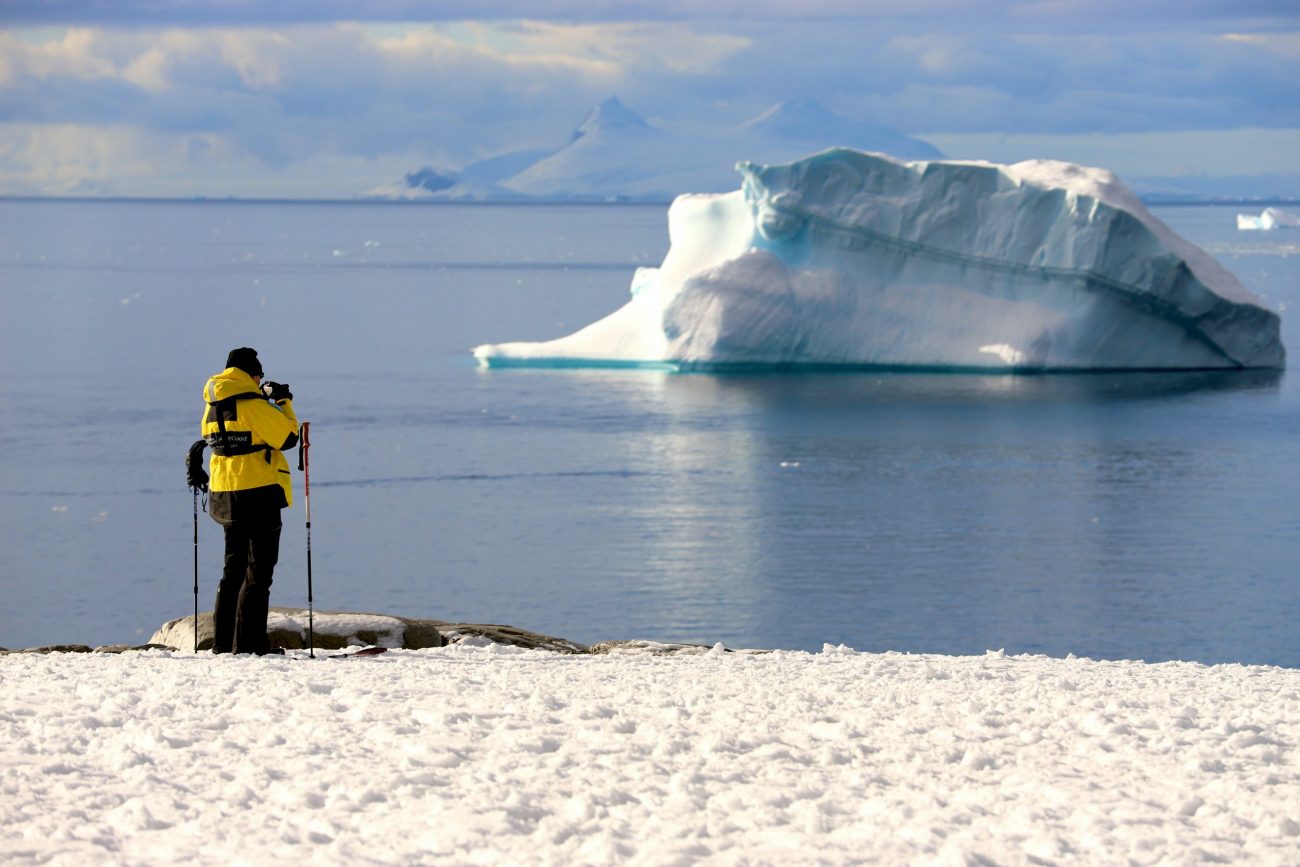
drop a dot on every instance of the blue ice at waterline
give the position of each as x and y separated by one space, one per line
850 259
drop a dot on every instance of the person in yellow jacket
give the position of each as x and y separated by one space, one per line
248 425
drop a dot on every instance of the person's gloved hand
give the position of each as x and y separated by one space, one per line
277 391
195 475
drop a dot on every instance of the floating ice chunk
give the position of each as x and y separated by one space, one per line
855 259
1009 354
1271 218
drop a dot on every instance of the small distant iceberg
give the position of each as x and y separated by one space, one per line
1271 218
856 259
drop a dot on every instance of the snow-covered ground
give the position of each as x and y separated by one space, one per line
498 755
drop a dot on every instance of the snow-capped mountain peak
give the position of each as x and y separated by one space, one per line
795 117
611 116
806 120
616 154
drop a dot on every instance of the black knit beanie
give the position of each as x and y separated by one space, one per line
246 360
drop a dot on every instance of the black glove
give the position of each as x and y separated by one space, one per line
195 475
276 391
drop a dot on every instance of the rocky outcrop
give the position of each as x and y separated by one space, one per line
59 648
84 648
512 635
651 648
333 630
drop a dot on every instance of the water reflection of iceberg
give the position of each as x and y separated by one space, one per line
837 392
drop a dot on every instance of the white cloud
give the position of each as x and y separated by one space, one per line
1284 45
75 55
72 159
69 159
601 55
149 59
277 98
1095 14
430 50
674 48
150 70
1240 152
940 55
258 57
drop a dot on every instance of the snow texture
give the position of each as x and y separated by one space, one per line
854 259
498 755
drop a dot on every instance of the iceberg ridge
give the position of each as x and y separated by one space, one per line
847 258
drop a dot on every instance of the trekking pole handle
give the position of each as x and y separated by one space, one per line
304 443
304 464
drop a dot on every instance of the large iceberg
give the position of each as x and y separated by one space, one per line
854 259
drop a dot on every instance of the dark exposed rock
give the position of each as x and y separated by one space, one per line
653 648
424 633
59 648
510 635
126 648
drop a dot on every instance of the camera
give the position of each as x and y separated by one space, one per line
276 391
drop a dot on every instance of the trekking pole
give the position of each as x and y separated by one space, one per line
196 570
304 464
197 478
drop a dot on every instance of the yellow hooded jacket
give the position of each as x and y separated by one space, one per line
248 464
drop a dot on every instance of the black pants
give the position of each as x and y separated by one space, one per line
244 594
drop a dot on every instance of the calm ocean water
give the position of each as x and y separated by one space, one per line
1117 516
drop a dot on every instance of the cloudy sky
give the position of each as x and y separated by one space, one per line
331 97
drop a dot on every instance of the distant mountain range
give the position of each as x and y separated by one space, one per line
615 154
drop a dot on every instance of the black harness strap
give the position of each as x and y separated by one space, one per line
229 444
